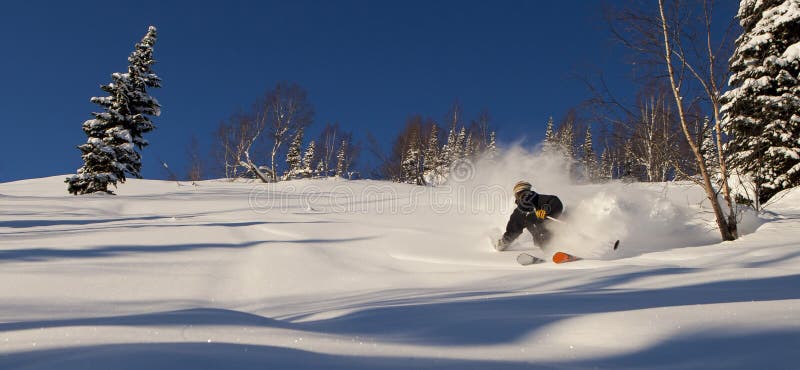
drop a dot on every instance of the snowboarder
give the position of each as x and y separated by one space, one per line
532 212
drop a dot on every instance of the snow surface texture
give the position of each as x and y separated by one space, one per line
318 274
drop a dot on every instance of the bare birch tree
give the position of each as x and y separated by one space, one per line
653 139
285 109
678 47
277 117
672 32
235 138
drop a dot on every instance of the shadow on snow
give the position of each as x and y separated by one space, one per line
466 319
701 351
46 254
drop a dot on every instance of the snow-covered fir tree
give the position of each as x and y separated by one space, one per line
458 149
293 157
321 170
469 146
411 165
491 148
565 144
708 146
550 140
760 111
448 150
431 158
107 142
627 163
109 153
308 158
605 172
566 140
141 77
589 158
341 163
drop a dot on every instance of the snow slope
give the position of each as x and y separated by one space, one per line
321 274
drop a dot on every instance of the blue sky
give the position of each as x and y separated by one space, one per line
366 64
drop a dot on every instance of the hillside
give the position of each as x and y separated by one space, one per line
327 274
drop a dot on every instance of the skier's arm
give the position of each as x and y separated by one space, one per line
552 207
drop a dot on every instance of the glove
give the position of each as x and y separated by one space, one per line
541 214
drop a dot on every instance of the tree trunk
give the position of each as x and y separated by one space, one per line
275 148
723 168
722 222
249 164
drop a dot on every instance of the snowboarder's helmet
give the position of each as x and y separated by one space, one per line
520 187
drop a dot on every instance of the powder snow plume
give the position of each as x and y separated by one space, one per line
644 218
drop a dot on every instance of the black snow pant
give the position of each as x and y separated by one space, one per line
520 221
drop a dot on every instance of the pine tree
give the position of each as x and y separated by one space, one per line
458 150
550 140
108 142
605 172
141 77
491 149
431 158
448 154
308 158
627 170
589 158
411 165
293 158
565 140
469 146
341 164
708 146
109 152
709 150
321 170
760 110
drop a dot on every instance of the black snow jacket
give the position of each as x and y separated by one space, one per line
524 217
529 202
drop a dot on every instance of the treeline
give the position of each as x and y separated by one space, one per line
643 143
269 141
424 152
